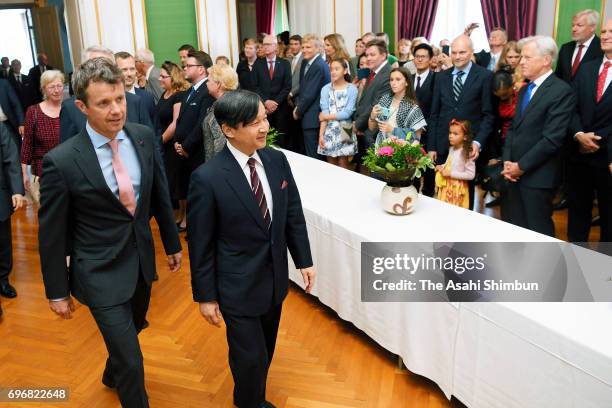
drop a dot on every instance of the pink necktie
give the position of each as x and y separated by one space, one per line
126 189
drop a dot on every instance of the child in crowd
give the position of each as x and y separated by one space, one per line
452 177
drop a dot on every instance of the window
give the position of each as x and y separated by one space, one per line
16 37
452 16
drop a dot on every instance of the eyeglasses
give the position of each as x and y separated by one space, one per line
54 87
419 57
270 44
193 65
164 76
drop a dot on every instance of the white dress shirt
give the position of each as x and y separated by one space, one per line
538 81
609 76
3 117
584 50
423 77
242 160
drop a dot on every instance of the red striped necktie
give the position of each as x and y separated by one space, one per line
260 197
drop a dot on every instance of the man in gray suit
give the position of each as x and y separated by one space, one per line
145 65
377 86
296 142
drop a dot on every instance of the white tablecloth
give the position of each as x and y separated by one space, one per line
486 354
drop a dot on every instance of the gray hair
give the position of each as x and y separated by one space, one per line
422 40
146 56
591 15
49 76
97 51
99 69
545 45
315 39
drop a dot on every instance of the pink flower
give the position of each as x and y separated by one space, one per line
386 151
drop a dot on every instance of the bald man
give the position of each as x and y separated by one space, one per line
462 92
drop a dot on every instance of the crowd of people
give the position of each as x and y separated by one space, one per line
502 119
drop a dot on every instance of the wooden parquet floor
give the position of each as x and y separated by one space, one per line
320 361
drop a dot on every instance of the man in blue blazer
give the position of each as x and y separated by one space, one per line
127 65
462 92
314 75
243 213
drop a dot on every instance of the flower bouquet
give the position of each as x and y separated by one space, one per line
398 162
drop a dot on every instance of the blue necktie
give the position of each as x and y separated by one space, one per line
190 94
527 97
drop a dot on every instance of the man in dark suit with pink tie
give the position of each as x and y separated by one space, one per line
244 212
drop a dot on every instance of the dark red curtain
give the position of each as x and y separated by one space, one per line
265 10
416 17
518 17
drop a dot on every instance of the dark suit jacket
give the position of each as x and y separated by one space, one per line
80 216
245 76
189 124
425 98
483 58
11 106
4 74
148 101
474 105
370 97
235 259
26 90
309 96
535 138
277 88
72 120
35 75
564 61
11 181
591 116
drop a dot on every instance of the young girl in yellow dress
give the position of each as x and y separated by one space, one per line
452 177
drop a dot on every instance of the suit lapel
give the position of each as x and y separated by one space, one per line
539 93
88 162
471 78
272 174
238 182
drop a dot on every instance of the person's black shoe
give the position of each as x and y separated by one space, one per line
145 324
267 404
156 277
596 221
493 203
109 382
7 290
561 204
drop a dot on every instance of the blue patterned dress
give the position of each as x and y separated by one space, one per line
342 103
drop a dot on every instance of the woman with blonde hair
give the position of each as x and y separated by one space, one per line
221 79
42 129
335 48
404 51
509 61
172 81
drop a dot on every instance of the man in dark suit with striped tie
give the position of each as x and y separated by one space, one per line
244 212
590 158
532 150
462 92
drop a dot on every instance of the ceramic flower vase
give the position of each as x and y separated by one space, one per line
399 200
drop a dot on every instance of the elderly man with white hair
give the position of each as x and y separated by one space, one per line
148 72
584 47
532 151
73 121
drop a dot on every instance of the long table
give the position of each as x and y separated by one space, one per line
486 354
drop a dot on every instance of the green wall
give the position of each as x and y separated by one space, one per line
388 21
566 10
170 23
